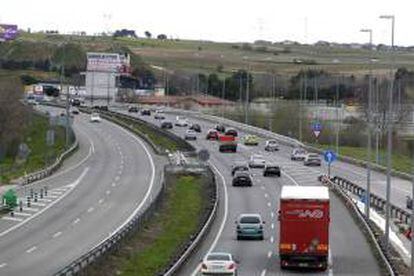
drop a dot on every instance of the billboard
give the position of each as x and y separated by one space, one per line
108 62
8 32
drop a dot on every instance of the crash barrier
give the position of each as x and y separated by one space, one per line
375 201
384 260
35 176
284 140
112 243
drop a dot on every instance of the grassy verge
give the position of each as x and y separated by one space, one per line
149 251
40 155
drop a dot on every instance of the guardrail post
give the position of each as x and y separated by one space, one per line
28 201
45 188
35 197
31 192
20 205
41 193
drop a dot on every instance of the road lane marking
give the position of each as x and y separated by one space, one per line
12 218
57 234
113 184
108 192
38 204
44 200
266 195
263 272
30 209
3 265
30 250
74 184
22 214
269 254
272 214
268 204
213 245
272 239
76 221
101 201
51 196
117 178
91 209
272 226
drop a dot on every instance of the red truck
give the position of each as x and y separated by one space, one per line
228 143
304 227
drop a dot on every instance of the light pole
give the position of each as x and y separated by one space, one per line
223 92
389 134
368 193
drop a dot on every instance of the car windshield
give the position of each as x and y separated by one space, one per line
242 173
272 142
249 219
218 257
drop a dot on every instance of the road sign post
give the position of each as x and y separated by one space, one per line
329 157
317 129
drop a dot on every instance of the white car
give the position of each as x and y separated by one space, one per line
181 121
298 154
95 118
257 161
271 145
159 116
312 159
218 263
190 135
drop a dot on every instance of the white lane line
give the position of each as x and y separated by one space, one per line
266 195
22 214
108 192
262 187
117 178
85 171
268 204
113 184
12 218
269 254
57 234
3 265
272 226
76 221
30 250
30 209
220 231
44 200
51 196
91 209
272 214
263 272
272 239
37 204
288 176
101 201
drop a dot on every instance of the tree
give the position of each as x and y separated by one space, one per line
148 34
162 37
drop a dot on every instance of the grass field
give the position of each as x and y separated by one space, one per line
40 154
150 250
205 56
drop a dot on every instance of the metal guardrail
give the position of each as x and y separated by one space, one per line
366 228
35 176
375 201
112 242
361 220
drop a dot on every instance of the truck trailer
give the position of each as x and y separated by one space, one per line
227 143
304 227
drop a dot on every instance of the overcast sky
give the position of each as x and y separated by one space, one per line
222 20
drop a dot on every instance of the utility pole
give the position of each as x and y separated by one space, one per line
246 110
338 121
67 104
389 135
223 92
369 122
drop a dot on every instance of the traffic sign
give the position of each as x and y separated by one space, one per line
317 128
203 155
329 156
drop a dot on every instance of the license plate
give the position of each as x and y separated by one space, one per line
303 265
217 267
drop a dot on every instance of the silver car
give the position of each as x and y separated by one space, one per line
257 161
190 135
312 159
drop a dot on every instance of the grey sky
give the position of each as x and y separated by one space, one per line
221 20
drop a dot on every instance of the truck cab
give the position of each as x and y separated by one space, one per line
227 143
304 227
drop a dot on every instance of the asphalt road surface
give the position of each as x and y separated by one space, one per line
112 175
350 252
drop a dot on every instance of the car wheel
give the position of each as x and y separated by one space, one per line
261 238
278 174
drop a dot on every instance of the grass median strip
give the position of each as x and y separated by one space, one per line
151 249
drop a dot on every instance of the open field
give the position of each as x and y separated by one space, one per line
202 56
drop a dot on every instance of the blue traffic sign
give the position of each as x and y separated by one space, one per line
316 126
329 156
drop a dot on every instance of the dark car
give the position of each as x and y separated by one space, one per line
239 166
195 127
133 109
271 170
220 128
231 132
242 179
146 112
76 102
166 124
212 134
409 202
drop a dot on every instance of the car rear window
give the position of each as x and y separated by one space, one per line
249 220
218 257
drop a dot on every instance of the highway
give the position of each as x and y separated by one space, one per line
112 176
350 253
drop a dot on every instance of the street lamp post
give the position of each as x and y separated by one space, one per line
368 193
389 134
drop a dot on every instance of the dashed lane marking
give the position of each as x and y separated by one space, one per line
91 209
30 250
3 265
11 218
21 214
57 234
76 221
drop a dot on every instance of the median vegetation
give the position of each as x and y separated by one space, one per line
161 238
